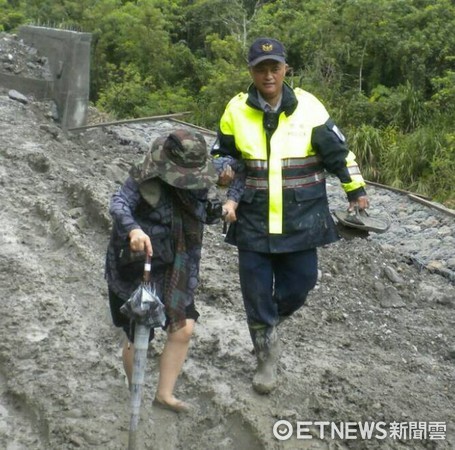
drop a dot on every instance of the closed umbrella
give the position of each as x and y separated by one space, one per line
147 311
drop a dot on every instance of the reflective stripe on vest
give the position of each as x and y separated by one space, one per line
296 172
290 142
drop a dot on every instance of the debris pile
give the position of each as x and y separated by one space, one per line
17 58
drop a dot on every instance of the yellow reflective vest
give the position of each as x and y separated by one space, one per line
286 154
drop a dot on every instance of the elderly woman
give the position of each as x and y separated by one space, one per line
160 210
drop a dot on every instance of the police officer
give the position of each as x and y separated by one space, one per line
285 141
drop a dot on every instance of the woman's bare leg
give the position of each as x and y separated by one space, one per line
171 362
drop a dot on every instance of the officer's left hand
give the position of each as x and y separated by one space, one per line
226 176
362 203
229 211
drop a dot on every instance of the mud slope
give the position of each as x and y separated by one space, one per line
374 343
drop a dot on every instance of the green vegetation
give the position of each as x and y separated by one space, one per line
384 68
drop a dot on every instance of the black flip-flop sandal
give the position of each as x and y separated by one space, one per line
361 220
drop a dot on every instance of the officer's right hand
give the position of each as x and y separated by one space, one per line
140 242
229 211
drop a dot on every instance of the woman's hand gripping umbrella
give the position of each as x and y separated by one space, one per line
147 311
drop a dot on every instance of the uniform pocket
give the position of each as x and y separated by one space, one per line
305 209
309 193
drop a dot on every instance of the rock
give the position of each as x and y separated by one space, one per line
435 265
14 95
39 162
53 130
392 275
391 298
446 300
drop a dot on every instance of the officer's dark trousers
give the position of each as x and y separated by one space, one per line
275 285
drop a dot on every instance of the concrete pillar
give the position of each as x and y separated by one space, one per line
68 53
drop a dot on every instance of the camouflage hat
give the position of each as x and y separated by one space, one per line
179 159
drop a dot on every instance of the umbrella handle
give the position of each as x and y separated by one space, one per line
147 269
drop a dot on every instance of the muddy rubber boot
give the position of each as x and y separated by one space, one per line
266 347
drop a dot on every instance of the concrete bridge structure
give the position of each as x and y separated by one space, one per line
68 54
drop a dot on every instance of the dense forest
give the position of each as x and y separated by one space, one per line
385 69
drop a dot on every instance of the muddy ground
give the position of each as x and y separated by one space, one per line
375 342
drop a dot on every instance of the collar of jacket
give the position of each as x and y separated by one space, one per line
288 101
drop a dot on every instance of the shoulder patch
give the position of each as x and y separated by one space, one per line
340 135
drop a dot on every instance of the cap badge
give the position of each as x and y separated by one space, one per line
267 47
